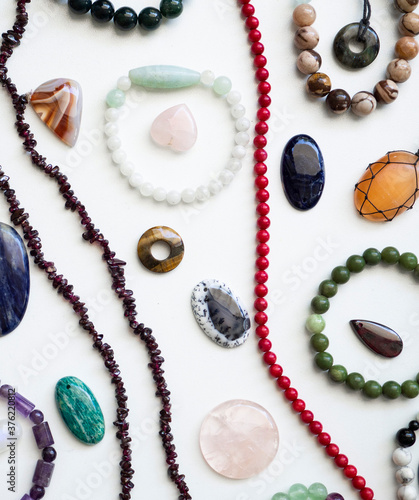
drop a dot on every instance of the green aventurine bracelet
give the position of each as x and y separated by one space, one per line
315 324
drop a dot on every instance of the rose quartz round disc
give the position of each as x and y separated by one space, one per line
239 439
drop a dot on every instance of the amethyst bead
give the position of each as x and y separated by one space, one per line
43 473
49 454
26 497
42 434
23 405
4 390
37 492
36 416
334 496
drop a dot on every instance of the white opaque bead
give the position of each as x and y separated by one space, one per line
202 193
242 124
127 168
242 138
402 456
111 128
119 156
113 143
234 165
135 180
124 83
238 152
237 111
405 475
173 197
207 77
159 194
112 114
146 189
226 176
234 97
188 195
407 493
215 187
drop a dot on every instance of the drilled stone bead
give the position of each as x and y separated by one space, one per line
355 381
406 48
355 263
171 8
317 491
102 11
386 91
324 360
318 85
409 24
406 5
328 288
315 323
149 18
406 437
280 496
222 85
115 98
320 304
341 275
79 6
339 101
410 389
306 38
372 256
372 389
298 492
390 255
391 389
338 374
399 70
309 62
304 15
363 103
319 342
125 18
408 261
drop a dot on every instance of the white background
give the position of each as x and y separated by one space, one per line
219 240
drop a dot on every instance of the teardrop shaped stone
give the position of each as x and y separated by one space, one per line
14 279
220 313
302 172
80 410
175 128
164 77
379 338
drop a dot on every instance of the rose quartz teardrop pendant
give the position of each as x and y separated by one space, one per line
175 128
58 103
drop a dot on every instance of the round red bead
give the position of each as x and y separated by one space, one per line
257 49
324 438
269 358
260 304
262 263
261 181
261 127
252 22
261 277
262 74
260 155
307 416
341 461
248 10
298 405
244 1
264 88
275 370
262 331
264 101
358 482
291 394
263 249
350 471
283 382
261 318
262 209
262 236
260 61
315 427
262 195
261 290
260 141
255 35
332 450
263 222
263 114
265 345
366 494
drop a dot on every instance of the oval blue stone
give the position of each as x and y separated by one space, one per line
14 279
302 172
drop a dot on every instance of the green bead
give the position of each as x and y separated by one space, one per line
298 492
338 374
390 255
416 272
115 98
164 77
320 304
317 491
410 389
372 256
328 288
149 18
341 274
355 381
323 360
222 85
408 260
315 323
391 390
171 8
372 389
319 342
355 263
280 496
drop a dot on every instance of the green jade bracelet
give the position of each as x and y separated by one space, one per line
315 324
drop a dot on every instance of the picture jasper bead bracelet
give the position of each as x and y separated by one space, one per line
319 84
315 324
405 438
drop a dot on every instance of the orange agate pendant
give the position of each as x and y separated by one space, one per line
388 187
58 103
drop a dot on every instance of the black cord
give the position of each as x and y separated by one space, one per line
364 24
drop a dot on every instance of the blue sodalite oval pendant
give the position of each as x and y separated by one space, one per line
14 279
220 313
302 172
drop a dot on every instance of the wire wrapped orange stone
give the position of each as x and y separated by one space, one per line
388 187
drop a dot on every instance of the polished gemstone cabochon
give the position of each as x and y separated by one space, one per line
379 338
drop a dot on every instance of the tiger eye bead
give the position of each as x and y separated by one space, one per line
363 103
399 70
304 15
309 62
318 85
306 38
406 48
386 91
406 5
409 24
338 101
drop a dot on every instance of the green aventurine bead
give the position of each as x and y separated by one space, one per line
372 256
390 255
323 360
408 260
341 274
222 85
328 288
319 342
80 410
372 389
164 77
317 491
391 390
315 323
171 8
410 389
320 304
298 492
338 374
355 381
115 98
355 263
280 496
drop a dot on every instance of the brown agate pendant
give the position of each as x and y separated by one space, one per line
58 103
388 187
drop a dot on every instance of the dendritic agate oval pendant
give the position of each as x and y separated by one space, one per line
80 410
14 279
58 103
388 187
302 172
220 313
379 338
175 128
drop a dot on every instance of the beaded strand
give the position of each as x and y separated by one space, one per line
402 457
262 263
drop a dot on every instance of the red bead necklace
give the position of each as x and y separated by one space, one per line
262 263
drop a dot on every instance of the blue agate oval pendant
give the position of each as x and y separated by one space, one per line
220 313
14 279
302 172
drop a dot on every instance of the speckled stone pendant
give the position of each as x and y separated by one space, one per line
220 313
80 410
379 338
356 60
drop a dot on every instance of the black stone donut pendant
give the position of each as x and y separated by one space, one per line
346 56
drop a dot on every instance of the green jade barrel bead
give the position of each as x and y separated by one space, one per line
164 77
